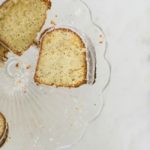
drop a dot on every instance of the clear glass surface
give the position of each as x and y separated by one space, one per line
42 117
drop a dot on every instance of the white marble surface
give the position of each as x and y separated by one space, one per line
125 121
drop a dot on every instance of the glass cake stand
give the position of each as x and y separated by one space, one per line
42 117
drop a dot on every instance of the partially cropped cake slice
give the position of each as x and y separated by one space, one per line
62 59
20 21
3 129
3 56
3 53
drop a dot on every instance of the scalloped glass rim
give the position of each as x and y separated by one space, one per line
34 120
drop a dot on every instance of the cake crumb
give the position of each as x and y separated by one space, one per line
17 65
37 84
101 35
28 66
78 109
18 81
101 39
53 23
24 88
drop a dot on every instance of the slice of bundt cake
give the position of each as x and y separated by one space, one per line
62 59
20 21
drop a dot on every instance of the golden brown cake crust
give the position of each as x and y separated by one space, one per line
48 3
4 134
3 53
82 44
5 137
4 120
